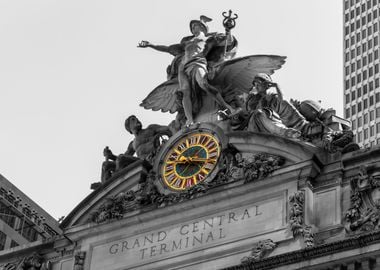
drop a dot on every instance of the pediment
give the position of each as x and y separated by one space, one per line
126 180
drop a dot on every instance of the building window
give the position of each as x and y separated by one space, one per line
369 30
366 134
364 47
378 127
347 112
378 112
365 118
370 60
369 17
364 88
360 137
347 57
377 83
358 51
377 97
370 72
365 103
347 84
364 60
370 86
353 81
376 54
371 101
371 131
364 33
359 107
347 98
371 115
359 92
353 124
352 67
358 64
377 68
360 122
353 95
375 41
359 77
363 20
353 109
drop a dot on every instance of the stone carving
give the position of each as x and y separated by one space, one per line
364 213
296 219
307 120
202 69
79 259
326 129
260 250
146 145
33 262
114 207
232 167
253 167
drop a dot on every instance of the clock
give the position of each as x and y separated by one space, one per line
190 159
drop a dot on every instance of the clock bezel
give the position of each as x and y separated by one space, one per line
208 128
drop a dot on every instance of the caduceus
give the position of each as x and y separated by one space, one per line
229 20
229 23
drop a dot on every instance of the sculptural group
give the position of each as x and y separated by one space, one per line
205 71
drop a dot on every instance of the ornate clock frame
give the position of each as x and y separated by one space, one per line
190 157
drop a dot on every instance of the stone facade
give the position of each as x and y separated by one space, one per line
311 210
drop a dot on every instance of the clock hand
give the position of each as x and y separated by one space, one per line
195 159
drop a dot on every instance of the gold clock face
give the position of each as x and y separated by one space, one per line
190 160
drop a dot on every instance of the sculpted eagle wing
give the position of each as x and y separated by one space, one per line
238 73
163 97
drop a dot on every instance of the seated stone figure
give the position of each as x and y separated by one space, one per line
270 113
145 145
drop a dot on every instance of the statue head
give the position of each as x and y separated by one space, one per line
132 124
199 25
262 82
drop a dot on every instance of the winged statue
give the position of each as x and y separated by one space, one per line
232 77
204 65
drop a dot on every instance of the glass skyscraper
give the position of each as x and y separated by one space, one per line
361 69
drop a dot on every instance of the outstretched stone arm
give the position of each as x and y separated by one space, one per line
174 49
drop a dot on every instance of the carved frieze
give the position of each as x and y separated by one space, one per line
260 250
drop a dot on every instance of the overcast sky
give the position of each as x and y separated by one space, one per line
70 73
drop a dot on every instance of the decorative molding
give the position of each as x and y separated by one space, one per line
364 213
79 259
260 250
232 167
297 220
33 262
307 254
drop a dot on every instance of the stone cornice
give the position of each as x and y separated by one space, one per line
311 253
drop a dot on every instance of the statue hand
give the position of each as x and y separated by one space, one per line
107 152
144 44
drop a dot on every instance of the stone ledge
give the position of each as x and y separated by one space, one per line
311 253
